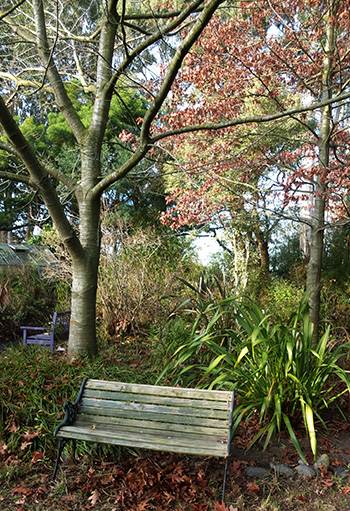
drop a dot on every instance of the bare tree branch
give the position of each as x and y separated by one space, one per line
39 179
9 11
251 120
44 52
18 178
157 36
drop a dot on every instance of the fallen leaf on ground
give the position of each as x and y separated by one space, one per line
29 435
37 456
24 445
143 505
23 490
327 483
94 497
253 488
220 507
13 428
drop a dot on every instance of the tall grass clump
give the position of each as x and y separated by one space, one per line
206 306
274 367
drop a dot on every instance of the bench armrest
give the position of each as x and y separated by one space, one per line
71 410
71 414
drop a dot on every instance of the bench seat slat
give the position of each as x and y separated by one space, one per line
152 431
152 408
160 400
94 420
139 414
210 395
155 442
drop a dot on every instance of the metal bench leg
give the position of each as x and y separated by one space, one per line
225 477
61 444
73 450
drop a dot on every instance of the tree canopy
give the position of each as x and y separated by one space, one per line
264 60
83 77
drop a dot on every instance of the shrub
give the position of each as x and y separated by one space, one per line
335 306
24 295
274 368
283 297
138 279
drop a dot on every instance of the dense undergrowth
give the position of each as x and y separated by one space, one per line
262 349
272 363
34 385
276 367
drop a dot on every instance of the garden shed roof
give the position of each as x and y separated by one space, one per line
21 254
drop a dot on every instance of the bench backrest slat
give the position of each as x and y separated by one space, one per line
155 419
159 391
159 399
177 410
197 411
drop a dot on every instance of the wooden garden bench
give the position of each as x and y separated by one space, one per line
190 421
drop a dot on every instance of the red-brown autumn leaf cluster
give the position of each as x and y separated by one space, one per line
266 58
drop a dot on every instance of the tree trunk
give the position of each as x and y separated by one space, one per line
314 268
82 332
264 254
313 280
82 335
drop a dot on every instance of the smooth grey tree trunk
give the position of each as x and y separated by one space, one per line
314 268
114 57
82 335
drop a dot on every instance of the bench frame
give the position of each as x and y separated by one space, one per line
173 419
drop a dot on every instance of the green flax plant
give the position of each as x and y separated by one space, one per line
207 307
275 368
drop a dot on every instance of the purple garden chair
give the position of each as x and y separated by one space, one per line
44 337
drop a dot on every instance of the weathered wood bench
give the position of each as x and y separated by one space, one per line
189 421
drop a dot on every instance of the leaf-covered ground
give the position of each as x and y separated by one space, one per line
146 480
159 481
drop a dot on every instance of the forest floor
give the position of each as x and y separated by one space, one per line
146 480
164 481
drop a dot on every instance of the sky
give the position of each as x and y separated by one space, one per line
206 246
